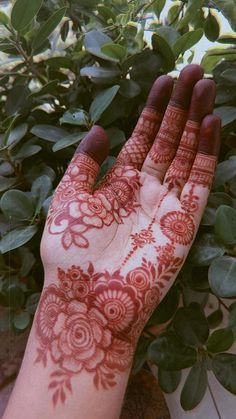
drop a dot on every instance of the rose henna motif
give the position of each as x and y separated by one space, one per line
91 321
74 212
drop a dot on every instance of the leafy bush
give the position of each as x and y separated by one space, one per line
67 65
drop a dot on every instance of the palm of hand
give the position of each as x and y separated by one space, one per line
125 242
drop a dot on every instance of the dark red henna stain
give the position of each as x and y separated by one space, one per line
96 144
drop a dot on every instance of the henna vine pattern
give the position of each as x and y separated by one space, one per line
74 211
91 321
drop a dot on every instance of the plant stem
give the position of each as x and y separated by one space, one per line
223 304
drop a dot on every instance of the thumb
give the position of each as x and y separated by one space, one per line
90 154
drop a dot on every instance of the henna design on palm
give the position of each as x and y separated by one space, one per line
90 321
122 243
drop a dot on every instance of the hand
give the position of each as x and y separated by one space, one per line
112 251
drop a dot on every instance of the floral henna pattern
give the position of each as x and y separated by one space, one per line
74 211
90 321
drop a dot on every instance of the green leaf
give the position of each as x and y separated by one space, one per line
116 136
215 318
101 102
49 132
169 353
69 140
205 249
4 19
227 39
16 135
225 224
94 40
17 204
158 7
168 380
186 41
194 387
17 100
99 72
194 295
191 325
59 62
212 28
167 307
232 318
15 296
106 166
228 9
27 150
129 88
116 51
224 368
224 172
41 188
21 320
65 30
5 321
227 114
47 89
160 45
229 75
7 182
169 33
140 354
23 12
220 340
27 261
32 302
222 274
48 27
17 238
77 117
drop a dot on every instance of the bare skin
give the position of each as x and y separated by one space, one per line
112 251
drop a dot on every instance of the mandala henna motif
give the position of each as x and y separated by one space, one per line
74 212
178 226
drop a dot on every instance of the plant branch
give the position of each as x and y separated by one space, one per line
222 303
